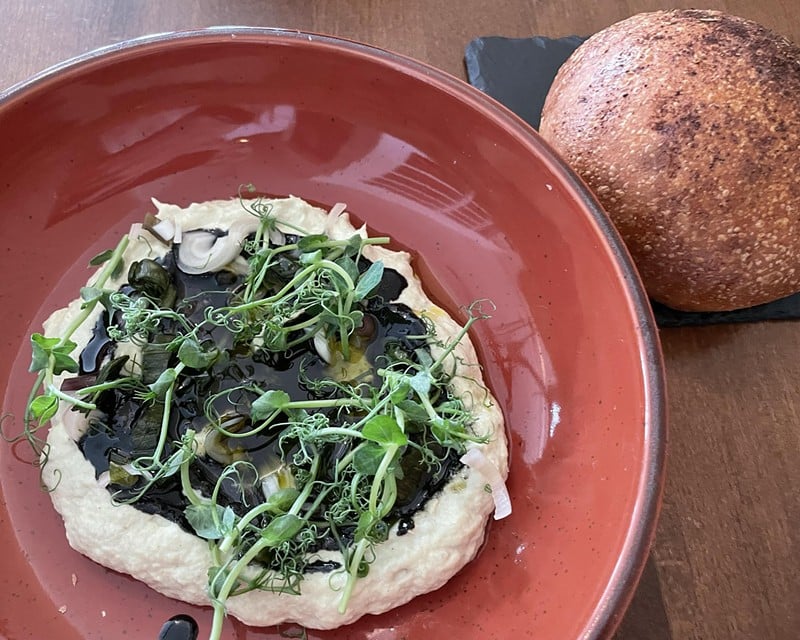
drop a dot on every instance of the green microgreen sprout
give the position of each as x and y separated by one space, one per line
339 453
53 356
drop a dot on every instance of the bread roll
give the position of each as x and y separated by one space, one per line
685 125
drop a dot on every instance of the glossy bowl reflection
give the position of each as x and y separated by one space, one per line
487 212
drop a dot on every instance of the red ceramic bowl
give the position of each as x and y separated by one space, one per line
488 212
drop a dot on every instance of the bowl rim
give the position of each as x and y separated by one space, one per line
621 586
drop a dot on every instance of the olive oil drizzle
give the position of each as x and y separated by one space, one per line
112 432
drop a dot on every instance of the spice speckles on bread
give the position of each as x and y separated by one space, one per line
684 125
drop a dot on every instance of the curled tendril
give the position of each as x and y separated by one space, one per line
476 309
237 471
39 446
232 320
313 292
137 318
341 511
257 206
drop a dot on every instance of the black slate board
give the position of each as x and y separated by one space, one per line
518 73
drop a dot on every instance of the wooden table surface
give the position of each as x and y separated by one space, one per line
726 561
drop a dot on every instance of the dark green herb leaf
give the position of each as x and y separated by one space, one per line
216 578
424 358
164 382
354 244
201 517
282 528
42 348
413 411
371 527
349 266
366 521
111 370
195 355
400 392
172 465
282 500
267 403
274 337
367 458
379 533
447 432
101 258
44 407
312 257
356 317
63 361
228 520
370 279
91 295
309 244
421 382
385 431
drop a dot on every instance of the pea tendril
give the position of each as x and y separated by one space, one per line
341 453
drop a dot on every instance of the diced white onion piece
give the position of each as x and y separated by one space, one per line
270 484
165 229
276 237
275 475
333 216
199 441
104 479
322 347
476 460
135 232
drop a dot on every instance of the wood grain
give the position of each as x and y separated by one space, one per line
727 546
726 562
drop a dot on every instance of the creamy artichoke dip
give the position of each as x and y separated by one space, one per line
447 532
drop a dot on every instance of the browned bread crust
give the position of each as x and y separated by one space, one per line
686 126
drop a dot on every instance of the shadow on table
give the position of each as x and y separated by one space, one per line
646 618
